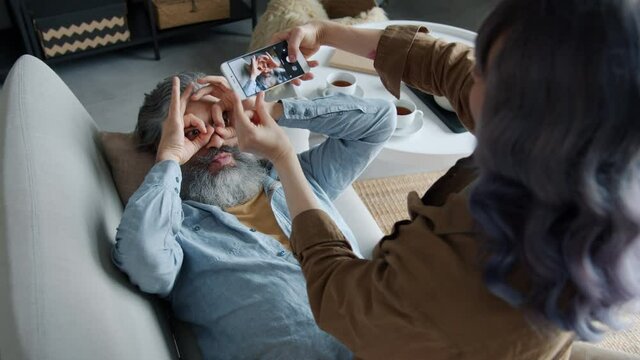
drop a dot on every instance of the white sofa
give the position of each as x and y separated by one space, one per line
61 298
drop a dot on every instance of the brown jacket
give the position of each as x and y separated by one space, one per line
422 295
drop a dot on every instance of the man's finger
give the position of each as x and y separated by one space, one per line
216 140
217 114
214 79
226 132
203 139
236 103
201 92
313 63
174 107
191 120
184 98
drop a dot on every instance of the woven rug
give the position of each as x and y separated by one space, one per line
386 199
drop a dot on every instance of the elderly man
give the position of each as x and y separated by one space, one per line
208 229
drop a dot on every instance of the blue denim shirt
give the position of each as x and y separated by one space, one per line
243 293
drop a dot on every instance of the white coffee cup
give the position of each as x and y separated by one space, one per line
406 117
341 82
443 102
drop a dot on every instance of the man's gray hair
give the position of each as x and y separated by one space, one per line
155 108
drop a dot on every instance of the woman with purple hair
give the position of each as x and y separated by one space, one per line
528 245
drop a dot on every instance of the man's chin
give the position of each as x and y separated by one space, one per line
215 167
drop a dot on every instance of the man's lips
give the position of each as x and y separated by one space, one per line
221 160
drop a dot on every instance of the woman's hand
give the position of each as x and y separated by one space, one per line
258 132
304 41
182 135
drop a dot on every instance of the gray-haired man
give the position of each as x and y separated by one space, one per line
211 236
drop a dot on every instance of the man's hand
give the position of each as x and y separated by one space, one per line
215 86
254 69
220 111
258 132
182 135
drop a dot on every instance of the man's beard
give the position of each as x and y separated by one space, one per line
231 185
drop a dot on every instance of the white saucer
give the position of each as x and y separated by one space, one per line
326 92
415 126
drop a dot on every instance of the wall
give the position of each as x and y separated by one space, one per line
5 22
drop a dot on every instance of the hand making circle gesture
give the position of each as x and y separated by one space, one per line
175 142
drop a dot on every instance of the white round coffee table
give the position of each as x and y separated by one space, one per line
432 148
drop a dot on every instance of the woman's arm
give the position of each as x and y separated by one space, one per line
400 53
305 40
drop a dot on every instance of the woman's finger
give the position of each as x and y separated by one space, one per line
280 36
295 39
263 113
313 63
307 76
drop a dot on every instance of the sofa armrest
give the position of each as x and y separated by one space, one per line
60 295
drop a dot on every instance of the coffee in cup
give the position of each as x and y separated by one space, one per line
406 113
341 82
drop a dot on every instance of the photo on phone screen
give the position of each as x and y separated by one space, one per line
264 69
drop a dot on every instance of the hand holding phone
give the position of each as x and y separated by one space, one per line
262 70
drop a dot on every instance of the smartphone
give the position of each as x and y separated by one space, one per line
262 70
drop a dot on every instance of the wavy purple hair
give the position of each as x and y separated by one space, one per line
559 158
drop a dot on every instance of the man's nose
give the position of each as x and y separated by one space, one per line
215 142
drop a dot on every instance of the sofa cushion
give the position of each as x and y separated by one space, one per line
128 165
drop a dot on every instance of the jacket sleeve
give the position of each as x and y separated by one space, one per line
146 246
410 54
360 302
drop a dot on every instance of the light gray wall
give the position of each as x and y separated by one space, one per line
5 22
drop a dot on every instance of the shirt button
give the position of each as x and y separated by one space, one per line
177 179
281 253
252 230
293 111
307 112
196 228
177 191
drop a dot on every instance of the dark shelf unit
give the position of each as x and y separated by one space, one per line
13 41
142 25
11 47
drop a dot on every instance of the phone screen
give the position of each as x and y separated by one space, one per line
265 68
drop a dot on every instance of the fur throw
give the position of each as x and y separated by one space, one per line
284 14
